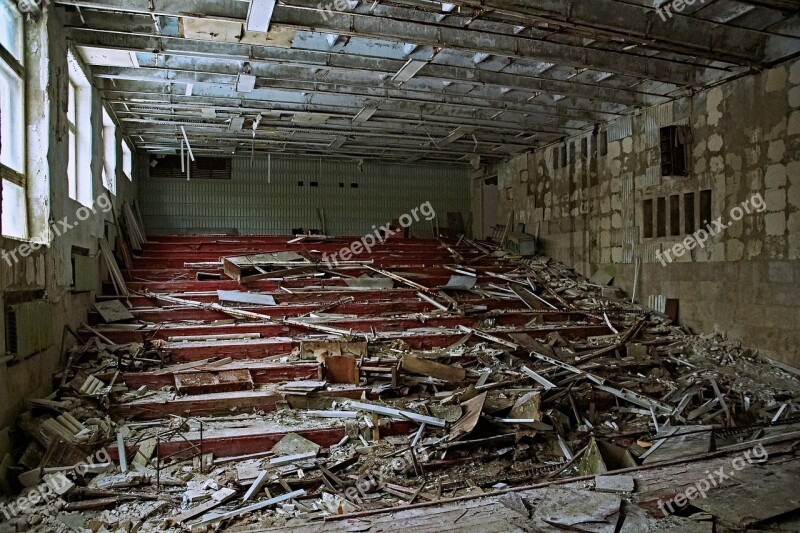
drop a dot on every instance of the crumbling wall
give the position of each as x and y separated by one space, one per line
745 141
48 270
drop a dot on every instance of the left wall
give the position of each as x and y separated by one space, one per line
48 271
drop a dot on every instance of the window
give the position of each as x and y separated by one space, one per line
675 214
12 126
79 112
661 217
647 219
127 160
674 151
109 153
688 213
602 146
705 207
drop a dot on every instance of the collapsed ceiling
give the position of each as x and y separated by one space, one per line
408 80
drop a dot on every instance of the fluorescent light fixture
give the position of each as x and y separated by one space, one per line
188 147
456 135
363 116
189 87
259 15
208 112
236 124
340 140
409 70
245 83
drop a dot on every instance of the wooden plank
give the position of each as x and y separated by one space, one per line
397 413
245 297
426 367
113 311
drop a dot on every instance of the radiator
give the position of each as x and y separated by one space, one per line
29 328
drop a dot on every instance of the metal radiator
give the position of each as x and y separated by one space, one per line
29 328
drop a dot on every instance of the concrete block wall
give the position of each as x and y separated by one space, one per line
745 141
49 268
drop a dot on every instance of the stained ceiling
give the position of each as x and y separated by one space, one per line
407 80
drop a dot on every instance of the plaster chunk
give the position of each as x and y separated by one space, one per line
717 164
794 73
713 100
777 149
794 246
616 221
775 223
754 248
735 229
614 149
735 250
779 131
794 124
627 145
715 142
752 155
793 195
793 171
616 168
794 97
776 80
776 176
734 161
616 254
701 165
718 253
775 199
699 148
793 224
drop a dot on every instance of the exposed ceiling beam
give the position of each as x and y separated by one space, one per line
404 31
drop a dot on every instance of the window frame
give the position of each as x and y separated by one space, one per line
109 135
127 160
14 71
72 134
82 190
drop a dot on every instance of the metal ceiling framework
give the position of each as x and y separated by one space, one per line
408 80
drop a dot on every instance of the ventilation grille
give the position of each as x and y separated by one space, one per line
29 328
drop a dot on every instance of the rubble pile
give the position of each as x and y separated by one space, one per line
518 372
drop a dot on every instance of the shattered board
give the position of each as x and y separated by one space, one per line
245 297
370 283
579 510
637 520
293 444
113 311
763 494
461 283
682 441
